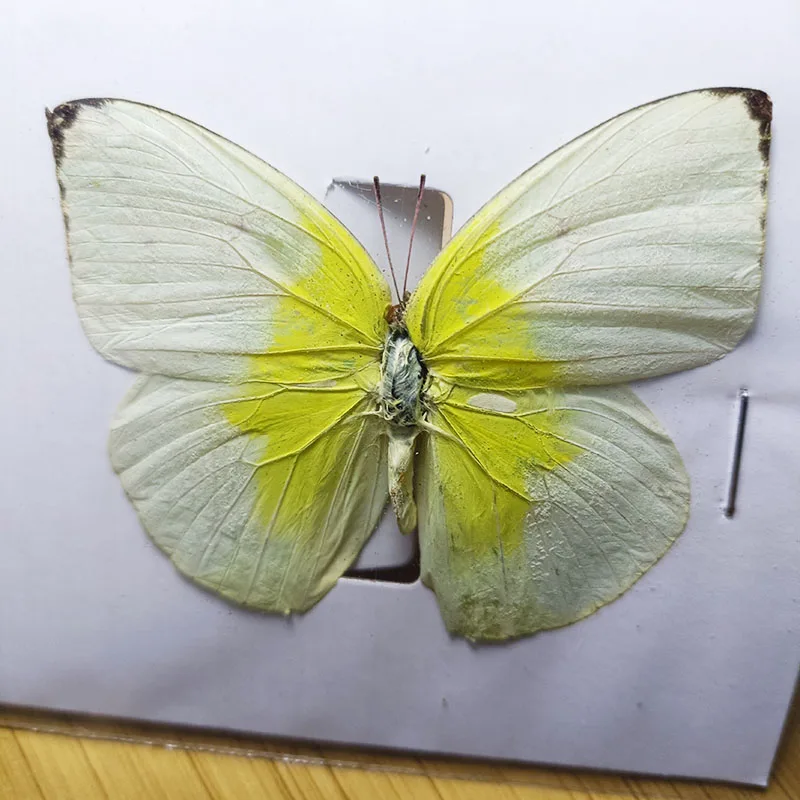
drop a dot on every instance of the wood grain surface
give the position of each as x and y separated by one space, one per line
61 757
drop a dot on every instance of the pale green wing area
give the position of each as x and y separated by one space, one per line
193 258
584 493
262 493
633 251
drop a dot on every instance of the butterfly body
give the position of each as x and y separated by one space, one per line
402 402
279 405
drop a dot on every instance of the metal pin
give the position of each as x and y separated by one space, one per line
733 479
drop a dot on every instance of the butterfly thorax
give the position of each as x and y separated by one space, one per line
403 377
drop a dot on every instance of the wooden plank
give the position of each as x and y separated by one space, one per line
59 766
185 764
16 776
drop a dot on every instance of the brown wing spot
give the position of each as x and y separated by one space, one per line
759 107
59 120
62 118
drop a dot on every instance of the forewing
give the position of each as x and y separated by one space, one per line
260 492
633 251
192 258
584 494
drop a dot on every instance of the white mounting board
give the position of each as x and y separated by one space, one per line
690 673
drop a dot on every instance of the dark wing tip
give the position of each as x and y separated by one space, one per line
759 106
62 117
758 103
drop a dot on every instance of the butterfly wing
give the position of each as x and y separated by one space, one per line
263 493
583 494
633 251
251 450
193 258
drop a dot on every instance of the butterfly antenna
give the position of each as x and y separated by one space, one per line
413 229
376 185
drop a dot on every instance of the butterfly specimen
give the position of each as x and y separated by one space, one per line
285 396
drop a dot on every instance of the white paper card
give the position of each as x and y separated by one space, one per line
690 673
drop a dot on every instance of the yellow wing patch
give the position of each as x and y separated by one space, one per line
498 449
463 290
314 335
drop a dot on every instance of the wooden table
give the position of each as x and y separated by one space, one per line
37 760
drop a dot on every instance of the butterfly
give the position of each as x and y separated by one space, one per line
285 396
